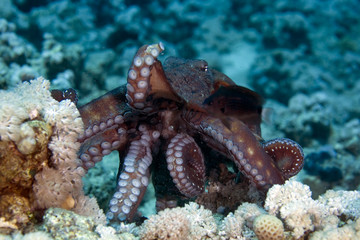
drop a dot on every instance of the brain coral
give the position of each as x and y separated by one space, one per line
268 227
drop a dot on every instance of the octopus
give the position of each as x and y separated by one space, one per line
165 123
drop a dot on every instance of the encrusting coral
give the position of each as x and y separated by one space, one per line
38 161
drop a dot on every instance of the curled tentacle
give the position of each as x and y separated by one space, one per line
138 81
102 143
186 165
105 129
287 154
134 177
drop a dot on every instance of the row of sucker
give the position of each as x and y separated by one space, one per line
286 149
165 202
138 80
100 127
186 165
237 152
97 150
134 177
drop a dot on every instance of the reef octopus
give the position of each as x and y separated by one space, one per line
165 120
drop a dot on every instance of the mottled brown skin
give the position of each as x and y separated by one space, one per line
157 121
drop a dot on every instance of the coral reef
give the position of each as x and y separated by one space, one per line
189 222
62 224
240 223
38 153
289 213
302 215
302 56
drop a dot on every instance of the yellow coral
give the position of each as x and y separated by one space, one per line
268 227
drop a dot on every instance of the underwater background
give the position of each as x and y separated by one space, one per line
302 56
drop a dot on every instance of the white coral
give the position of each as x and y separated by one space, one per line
280 195
349 231
232 227
89 207
237 225
302 214
167 224
342 202
293 202
33 100
21 104
202 222
189 222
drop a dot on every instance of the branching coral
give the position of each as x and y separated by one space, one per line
347 232
38 161
189 222
290 213
302 215
342 203
238 225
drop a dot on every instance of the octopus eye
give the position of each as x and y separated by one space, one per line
204 66
201 65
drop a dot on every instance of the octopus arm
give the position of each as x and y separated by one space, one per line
146 79
105 129
134 177
246 151
186 165
237 142
287 154
104 107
